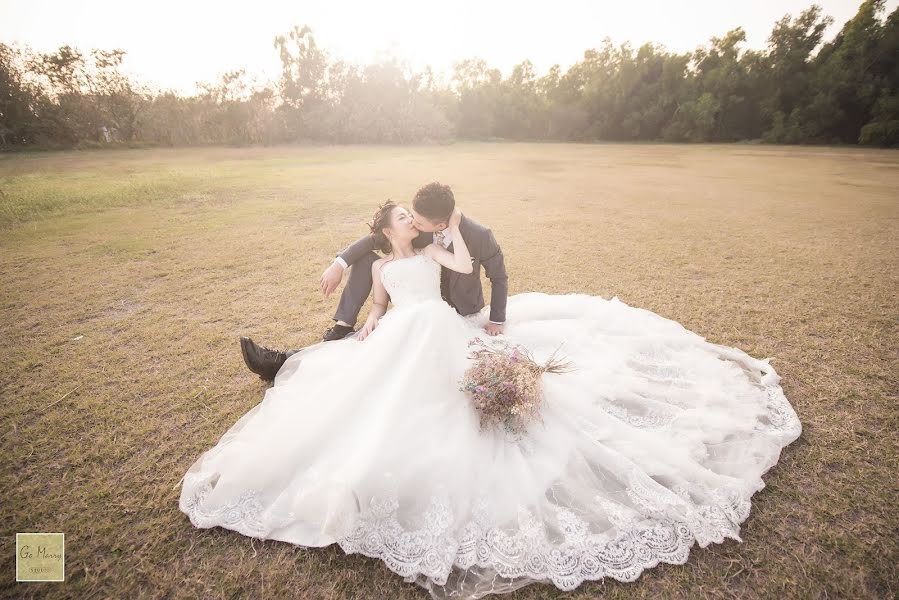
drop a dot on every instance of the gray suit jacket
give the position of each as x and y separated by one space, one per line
465 293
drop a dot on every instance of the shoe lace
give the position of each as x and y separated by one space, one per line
271 353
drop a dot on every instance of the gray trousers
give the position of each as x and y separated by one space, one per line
355 292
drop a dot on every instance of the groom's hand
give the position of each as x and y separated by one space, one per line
493 328
331 278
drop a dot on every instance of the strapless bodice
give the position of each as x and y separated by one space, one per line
411 280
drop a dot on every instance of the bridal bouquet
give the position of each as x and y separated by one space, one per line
504 383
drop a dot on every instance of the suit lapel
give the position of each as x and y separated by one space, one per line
423 239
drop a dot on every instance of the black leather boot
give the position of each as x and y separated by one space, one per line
261 360
337 332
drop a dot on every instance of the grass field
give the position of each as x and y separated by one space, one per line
126 278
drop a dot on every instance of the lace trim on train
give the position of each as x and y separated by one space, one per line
433 551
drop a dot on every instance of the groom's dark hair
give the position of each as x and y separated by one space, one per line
435 201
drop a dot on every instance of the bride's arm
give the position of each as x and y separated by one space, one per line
379 306
459 259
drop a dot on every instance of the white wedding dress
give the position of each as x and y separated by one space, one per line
657 440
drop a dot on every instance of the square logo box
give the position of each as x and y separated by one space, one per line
40 556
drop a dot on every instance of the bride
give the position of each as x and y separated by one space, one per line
657 440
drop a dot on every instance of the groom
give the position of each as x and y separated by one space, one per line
431 208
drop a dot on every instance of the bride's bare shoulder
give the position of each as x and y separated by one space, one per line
376 266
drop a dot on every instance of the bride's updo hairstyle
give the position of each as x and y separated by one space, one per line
381 221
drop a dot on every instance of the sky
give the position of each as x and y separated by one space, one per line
174 44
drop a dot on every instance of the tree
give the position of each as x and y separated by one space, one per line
21 104
303 71
790 66
800 88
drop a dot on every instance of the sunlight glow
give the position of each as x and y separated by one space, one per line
174 44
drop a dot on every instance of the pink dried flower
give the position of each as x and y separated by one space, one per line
505 384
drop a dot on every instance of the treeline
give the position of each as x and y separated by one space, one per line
799 89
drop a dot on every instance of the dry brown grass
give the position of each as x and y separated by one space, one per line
161 259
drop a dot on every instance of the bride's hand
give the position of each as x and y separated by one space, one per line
455 219
366 330
493 328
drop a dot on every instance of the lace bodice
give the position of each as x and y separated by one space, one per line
413 279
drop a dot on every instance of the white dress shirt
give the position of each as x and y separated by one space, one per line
447 238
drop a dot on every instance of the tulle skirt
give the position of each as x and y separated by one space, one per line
656 441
